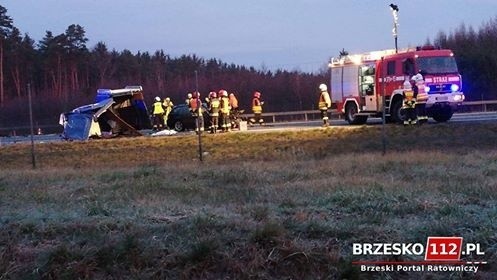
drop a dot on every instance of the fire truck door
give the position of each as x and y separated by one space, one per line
367 88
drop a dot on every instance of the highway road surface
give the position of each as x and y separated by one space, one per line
480 117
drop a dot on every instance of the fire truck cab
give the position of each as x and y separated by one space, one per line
359 83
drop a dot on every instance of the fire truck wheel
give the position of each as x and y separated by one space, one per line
442 114
397 114
351 114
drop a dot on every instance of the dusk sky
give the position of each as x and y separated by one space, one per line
288 34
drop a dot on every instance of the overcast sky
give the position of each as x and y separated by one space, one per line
288 34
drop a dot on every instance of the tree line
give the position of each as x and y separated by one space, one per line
476 57
63 72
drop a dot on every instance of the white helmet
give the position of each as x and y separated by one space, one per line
157 98
417 78
323 87
223 92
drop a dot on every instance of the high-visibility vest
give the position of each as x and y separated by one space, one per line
225 105
195 106
169 106
158 109
256 106
422 96
214 107
408 95
409 100
324 101
233 102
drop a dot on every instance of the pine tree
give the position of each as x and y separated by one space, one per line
5 29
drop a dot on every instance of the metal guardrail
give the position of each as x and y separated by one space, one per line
305 115
484 104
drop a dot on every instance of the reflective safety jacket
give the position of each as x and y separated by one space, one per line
214 105
169 105
225 105
233 102
256 106
324 101
422 96
409 100
195 106
158 108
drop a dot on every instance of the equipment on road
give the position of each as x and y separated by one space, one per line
236 118
358 82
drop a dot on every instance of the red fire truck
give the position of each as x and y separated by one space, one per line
359 82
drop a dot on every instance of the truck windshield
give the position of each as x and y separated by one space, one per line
437 65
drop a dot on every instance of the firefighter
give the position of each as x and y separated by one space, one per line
324 103
225 110
189 97
158 114
214 105
257 109
421 97
409 106
168 104
196 109
234 112
233 101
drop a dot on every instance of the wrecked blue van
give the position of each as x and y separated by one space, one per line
115 112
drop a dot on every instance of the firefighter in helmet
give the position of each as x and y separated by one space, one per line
158 114
225 110
409 104
214 105
257 109
168 104
234 110
233 101
324 103
196 109
189 97
421 97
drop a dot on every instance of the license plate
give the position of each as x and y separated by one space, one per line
442 98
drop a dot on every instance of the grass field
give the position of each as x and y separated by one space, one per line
260 205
